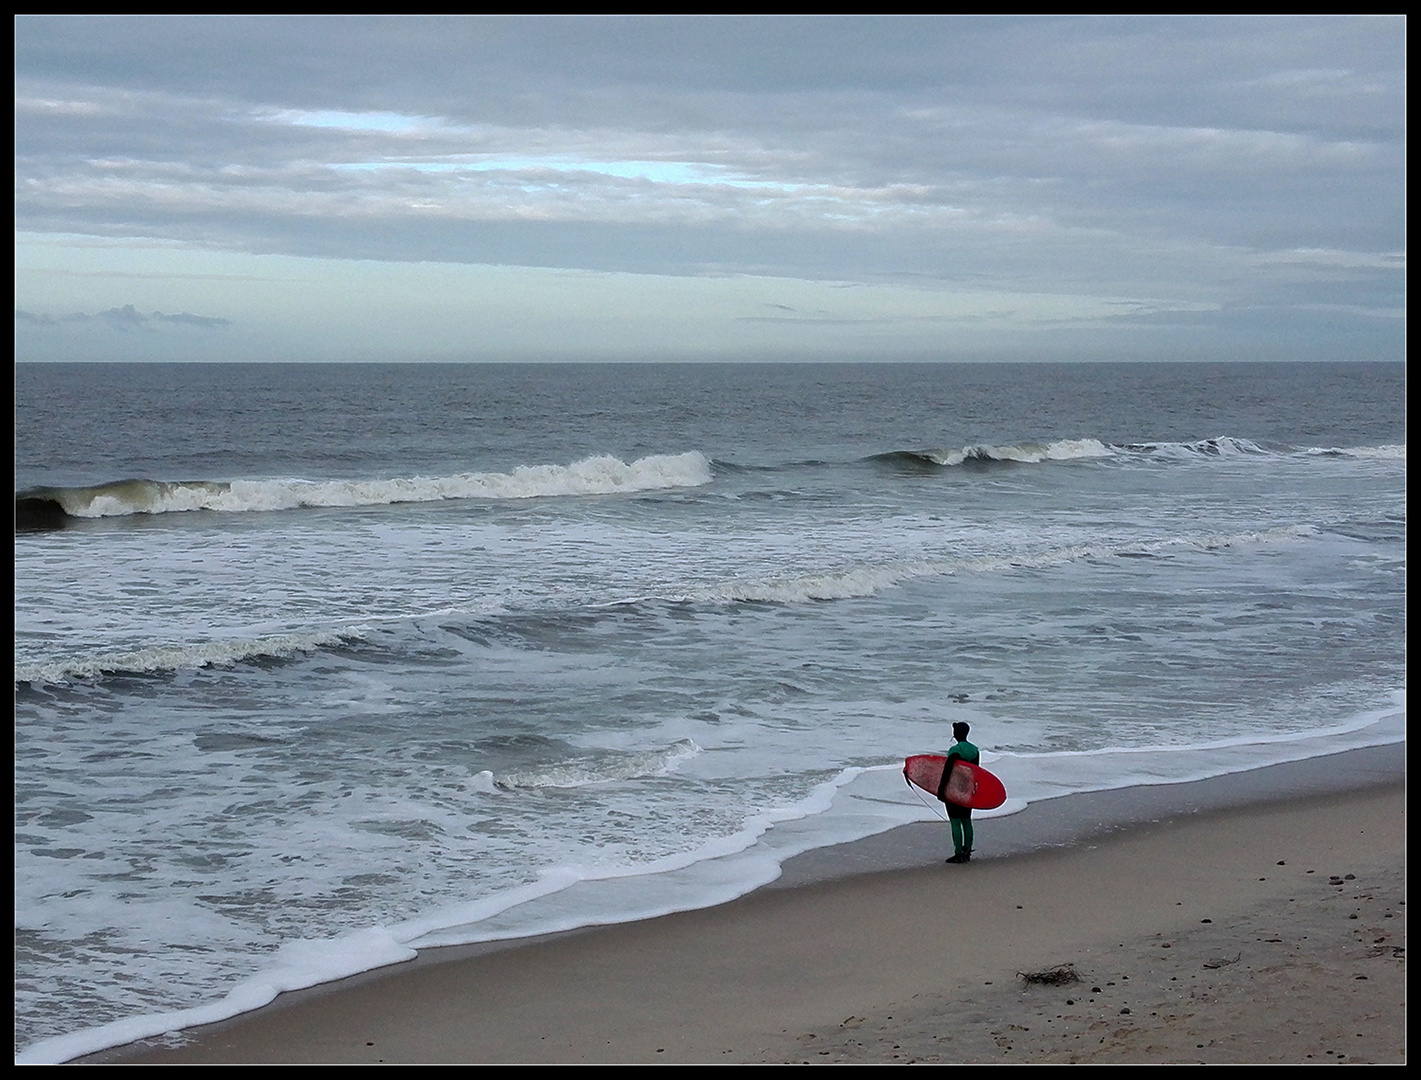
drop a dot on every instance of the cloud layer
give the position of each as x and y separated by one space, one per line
1253 168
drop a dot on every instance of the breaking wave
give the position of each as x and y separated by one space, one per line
161 659
47 508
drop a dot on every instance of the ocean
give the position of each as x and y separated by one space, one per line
319 665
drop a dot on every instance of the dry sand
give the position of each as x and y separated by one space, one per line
1272 933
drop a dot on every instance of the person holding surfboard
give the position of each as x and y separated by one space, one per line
959 816
960 783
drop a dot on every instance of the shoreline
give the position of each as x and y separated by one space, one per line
1083 816
735 982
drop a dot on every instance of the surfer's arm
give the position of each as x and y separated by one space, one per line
952 759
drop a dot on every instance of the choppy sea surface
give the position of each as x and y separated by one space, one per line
317 665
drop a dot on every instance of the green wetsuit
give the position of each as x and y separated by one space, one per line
961 816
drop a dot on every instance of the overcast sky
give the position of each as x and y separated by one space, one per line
699 188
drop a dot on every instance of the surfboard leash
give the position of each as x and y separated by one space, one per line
919 793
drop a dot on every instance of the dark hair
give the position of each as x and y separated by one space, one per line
960 730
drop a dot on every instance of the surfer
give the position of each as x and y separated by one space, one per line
960 816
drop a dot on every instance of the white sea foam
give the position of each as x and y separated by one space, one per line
714 872
297 965
602 769
840 584
855 581
1045 775
1380 453
833 583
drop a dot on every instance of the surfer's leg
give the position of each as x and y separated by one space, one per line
966 835
957 844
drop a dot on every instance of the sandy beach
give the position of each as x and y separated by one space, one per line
1261 932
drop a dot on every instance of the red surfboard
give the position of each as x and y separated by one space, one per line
967 785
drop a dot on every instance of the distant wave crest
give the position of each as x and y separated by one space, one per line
982 453
1222 446
1226 446
1032 453
601 475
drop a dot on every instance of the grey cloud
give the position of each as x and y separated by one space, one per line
124 318
204 322
518 68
